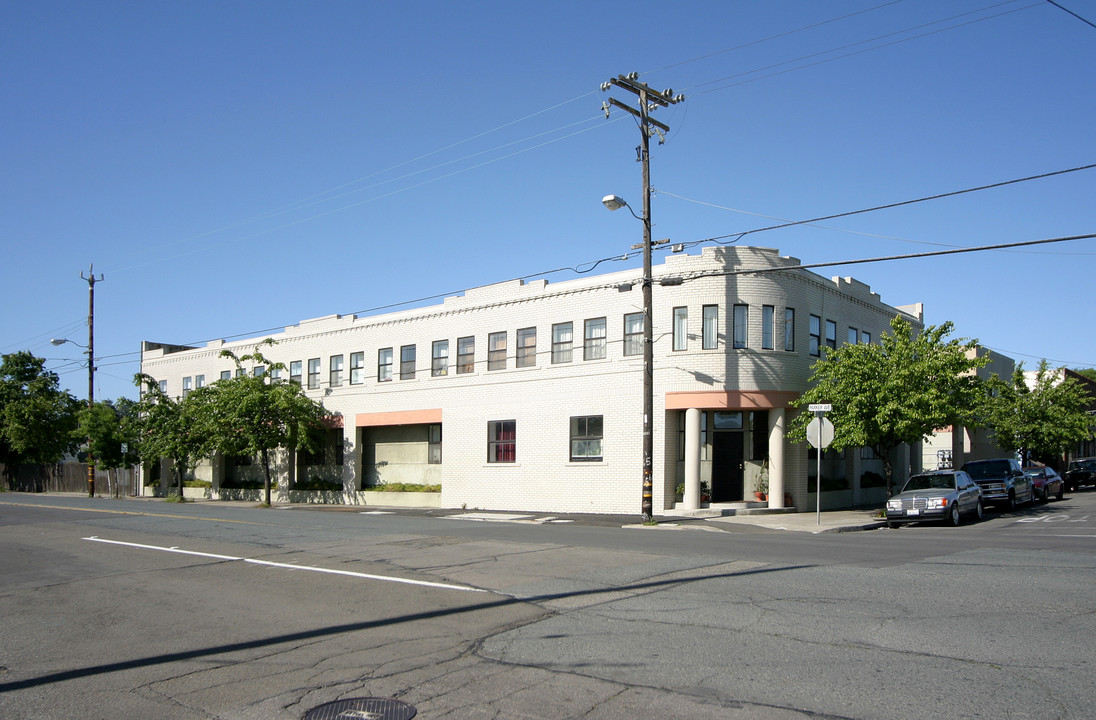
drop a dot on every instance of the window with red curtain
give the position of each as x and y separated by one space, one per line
501 441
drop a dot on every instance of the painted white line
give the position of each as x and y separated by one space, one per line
377 512
288 566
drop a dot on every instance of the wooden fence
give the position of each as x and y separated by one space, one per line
71 478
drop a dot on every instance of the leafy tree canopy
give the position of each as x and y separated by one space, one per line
1041 419
896 392
37 418
1089 373
109 426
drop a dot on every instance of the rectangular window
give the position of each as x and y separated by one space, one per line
240 372
439 358
313 373
789 329
384 365
259 370
501 441
466 355
681 435
854 336
275 373
865 337
357 368
186 386
527 347
496 351
741 326
562 341
163 386
710 331
295 371
681 328
226 374
407 362
593 345
633 334
199 381
768 322
434 453
335 377
816 335
586 438
831 334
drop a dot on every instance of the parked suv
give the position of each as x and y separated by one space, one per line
1002 481
1082 471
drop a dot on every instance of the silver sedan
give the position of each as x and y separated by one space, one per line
941 495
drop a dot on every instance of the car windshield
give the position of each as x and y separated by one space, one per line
930 482
1034 472
992 468
1087 465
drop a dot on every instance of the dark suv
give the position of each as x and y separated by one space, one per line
1082 471
1002 481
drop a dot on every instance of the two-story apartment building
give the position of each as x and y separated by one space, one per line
528 395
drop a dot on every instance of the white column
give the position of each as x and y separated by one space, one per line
776 458
692 459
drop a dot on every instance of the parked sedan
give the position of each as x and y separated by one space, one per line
942 495
1045 481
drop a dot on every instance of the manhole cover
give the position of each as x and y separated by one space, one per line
362 709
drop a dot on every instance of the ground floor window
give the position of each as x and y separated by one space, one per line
501 441
434 456
586 436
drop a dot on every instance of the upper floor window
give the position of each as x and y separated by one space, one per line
741 326
466 354
865 337
593 345
384 365
527 347
439 358
816 335
562 340
407 362
199 381
186 386
357 368
854 336
259 370
768 323
831 334
789 329
294 372
710 330
163 386
313 373
633 334
335 378
681 328
496 351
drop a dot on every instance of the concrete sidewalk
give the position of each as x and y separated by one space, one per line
812 522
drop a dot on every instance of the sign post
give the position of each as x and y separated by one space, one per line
819 435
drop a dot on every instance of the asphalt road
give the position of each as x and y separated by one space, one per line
139 609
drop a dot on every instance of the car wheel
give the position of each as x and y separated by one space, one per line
1011 504
979 510
893 525
953 516
1061 492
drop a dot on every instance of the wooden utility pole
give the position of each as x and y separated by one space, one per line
91 280
648 100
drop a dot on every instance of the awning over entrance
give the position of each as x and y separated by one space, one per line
731 399
398 417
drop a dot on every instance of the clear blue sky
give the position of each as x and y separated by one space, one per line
231 167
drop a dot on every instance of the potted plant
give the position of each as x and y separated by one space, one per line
705 491
761 482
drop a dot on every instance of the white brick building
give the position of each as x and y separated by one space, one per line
528 395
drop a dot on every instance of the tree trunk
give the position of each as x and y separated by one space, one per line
266 474
888 469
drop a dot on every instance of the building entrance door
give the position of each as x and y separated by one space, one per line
727 466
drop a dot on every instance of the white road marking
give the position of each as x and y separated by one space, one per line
287 566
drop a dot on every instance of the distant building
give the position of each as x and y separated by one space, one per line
528 395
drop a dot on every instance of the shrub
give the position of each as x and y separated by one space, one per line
404 487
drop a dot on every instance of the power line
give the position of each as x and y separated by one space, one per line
1064 9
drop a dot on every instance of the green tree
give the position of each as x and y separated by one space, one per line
1089 373
896 392
108 426
254 414
1041 420
37 418
171 429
